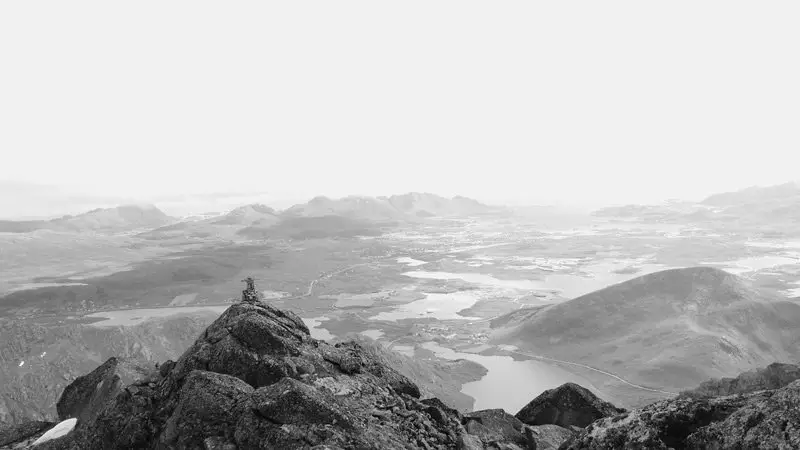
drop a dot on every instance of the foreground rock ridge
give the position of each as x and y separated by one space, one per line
256 379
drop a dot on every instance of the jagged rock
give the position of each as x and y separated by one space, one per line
771 421
496 425
166 368
217 443
548 437
774 376
469 442
291 402
661 425
257 380
209 405
87 394
565 406
22 435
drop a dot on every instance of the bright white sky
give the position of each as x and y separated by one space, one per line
537 102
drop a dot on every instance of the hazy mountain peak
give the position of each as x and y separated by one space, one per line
754 194
411 205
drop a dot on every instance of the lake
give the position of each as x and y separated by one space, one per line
410 261
570 286
509 384
437 306
477 278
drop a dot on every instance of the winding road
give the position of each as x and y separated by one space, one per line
595 369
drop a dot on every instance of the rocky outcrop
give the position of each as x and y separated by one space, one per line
567 405
496 426
759 420
548 437
255 379
85 396
22 435
774 376
768 420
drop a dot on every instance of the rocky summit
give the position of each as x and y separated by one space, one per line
256 379
567 405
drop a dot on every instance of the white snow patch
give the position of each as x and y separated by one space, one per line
62 429
410 261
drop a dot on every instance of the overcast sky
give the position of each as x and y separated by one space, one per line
534 102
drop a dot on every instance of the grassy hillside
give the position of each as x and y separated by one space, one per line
671 329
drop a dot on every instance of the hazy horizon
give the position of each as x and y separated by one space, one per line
46 202
539 104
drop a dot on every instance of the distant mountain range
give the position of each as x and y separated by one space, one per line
325 217
777 206
756 194
396 207
121 218
674 328
320 213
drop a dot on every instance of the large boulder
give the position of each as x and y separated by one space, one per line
496 425
209 405
86 396
567 405
662 425
548 437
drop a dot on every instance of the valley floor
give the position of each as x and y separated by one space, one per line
428 291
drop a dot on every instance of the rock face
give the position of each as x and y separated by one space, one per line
565 406
760 420
495 428
549 437
766 421
22 435
82 398
255 379
774 376
496 425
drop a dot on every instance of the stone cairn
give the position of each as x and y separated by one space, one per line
251 295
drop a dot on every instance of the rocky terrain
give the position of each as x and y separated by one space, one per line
774 376
255 378
766 419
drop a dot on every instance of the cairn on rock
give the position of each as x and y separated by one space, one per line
251 295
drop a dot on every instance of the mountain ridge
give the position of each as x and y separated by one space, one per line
125 217
673 328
